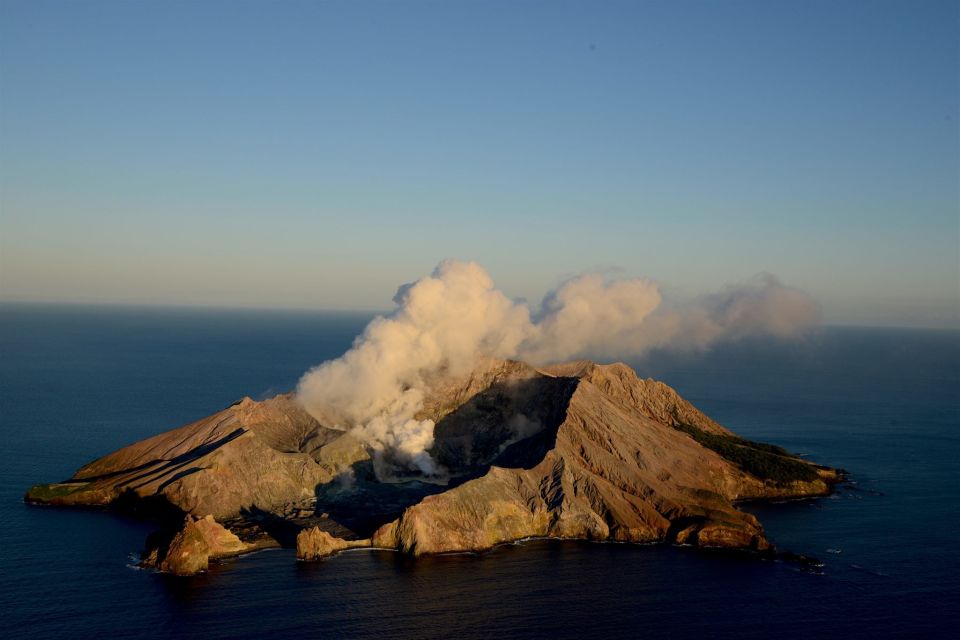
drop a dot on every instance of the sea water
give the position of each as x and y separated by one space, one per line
79 382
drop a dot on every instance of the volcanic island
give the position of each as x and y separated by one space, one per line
570 451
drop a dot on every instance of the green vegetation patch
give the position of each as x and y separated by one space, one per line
47 492
765 461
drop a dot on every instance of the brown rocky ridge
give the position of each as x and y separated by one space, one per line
577 450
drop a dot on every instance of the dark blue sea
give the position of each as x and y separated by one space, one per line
79 382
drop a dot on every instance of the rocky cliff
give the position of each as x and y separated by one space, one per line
191 548
577 450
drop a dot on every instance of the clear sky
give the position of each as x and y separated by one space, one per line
317 154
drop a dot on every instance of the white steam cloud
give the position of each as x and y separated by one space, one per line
445 323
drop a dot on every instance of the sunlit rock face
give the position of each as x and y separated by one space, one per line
192 547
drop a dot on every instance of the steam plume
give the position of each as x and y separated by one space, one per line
446 322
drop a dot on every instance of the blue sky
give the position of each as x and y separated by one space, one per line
317 154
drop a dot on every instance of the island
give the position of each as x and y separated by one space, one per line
571 451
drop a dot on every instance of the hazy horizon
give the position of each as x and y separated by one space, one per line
364 313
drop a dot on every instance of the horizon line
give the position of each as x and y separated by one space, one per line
200 307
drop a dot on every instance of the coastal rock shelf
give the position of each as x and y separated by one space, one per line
577 450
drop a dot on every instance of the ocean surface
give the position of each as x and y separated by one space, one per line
80 382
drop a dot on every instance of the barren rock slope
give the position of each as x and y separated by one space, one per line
623 466
251 454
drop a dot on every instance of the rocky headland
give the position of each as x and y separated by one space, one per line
578 450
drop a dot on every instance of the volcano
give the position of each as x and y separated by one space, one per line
575 451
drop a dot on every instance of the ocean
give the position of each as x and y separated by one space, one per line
884 404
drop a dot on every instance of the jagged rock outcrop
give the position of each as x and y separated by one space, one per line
576 450
315 543
191 548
